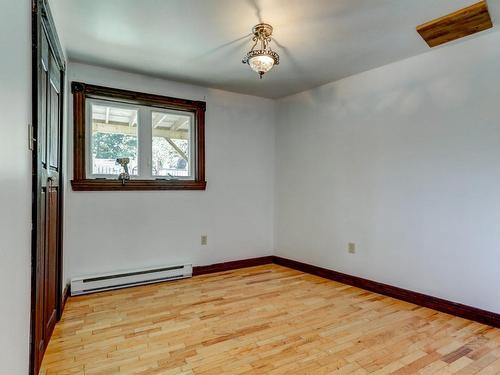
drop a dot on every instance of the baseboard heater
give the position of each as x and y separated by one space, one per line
108 281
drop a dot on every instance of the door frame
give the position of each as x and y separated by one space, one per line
41 17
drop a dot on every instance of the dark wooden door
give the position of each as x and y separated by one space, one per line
47 192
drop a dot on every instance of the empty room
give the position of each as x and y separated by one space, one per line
245 187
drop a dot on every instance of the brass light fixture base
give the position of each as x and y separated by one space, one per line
263 29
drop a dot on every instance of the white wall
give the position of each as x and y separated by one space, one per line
403 160
107 231
15 186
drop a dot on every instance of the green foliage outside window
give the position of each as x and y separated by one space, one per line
112 146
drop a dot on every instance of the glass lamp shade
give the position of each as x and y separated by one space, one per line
261 63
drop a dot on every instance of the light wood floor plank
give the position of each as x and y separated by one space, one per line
263 320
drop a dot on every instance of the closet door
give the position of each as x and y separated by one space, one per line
47 192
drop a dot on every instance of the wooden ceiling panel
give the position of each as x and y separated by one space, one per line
464 22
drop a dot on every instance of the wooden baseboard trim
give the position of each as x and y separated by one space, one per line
65 295
439 304
227 266
435 303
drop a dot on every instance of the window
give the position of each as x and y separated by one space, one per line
161 138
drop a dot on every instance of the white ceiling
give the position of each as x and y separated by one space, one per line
203 41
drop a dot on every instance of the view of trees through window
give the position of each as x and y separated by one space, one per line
114 135
107 147
170 148
167 161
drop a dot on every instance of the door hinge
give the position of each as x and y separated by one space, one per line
31 139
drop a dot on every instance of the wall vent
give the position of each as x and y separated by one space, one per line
108 281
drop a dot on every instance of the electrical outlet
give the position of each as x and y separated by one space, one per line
351 247
204 239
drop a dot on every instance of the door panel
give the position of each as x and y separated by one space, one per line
42 130
54 111
40 272
51 277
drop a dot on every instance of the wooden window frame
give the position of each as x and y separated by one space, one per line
82 91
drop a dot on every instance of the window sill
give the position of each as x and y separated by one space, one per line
116 185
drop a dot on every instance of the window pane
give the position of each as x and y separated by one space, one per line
114 135
171 149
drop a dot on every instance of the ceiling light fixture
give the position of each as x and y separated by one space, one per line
263 59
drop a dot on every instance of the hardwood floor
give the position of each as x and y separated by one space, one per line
263 320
